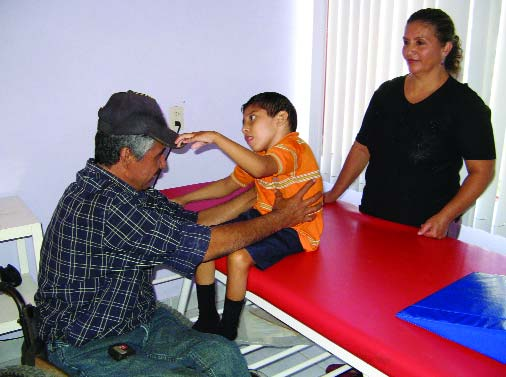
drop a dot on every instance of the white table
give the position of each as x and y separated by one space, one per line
17 222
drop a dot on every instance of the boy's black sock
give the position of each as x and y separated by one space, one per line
209 319
230 319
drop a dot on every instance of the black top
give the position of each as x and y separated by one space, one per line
417 149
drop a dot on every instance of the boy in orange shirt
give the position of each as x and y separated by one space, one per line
279 161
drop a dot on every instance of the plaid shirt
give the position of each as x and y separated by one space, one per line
98 255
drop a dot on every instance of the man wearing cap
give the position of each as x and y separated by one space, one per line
109 231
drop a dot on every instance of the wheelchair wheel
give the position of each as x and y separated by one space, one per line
22 371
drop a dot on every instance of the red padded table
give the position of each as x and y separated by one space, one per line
365 271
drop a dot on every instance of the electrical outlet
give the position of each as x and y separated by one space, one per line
176 114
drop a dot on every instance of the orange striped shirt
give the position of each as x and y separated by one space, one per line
296 166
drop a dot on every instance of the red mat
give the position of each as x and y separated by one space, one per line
366 271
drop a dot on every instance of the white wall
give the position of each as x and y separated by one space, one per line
61 60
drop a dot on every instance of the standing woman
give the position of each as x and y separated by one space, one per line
417 131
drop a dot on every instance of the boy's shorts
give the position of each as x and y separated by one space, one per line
272 249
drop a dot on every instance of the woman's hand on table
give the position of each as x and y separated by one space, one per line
435 227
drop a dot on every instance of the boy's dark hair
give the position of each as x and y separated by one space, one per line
273 103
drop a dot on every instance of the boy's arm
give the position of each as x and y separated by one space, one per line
257 165
228 238
228 210
216 189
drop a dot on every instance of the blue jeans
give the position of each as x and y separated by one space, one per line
166 346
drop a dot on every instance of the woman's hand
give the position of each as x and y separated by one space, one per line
435 227
480 173
330 197
356 161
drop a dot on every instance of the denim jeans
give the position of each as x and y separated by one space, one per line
166 346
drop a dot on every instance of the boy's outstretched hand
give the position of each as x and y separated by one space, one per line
197 139
296 208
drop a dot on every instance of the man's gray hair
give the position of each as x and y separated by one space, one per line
108 147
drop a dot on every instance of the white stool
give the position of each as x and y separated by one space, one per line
16 223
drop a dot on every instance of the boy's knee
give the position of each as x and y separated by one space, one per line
240 259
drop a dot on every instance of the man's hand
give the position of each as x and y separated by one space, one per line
230 237
297 209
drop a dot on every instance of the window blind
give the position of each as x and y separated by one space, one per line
364 43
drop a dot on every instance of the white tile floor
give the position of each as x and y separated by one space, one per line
282 367
272 349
